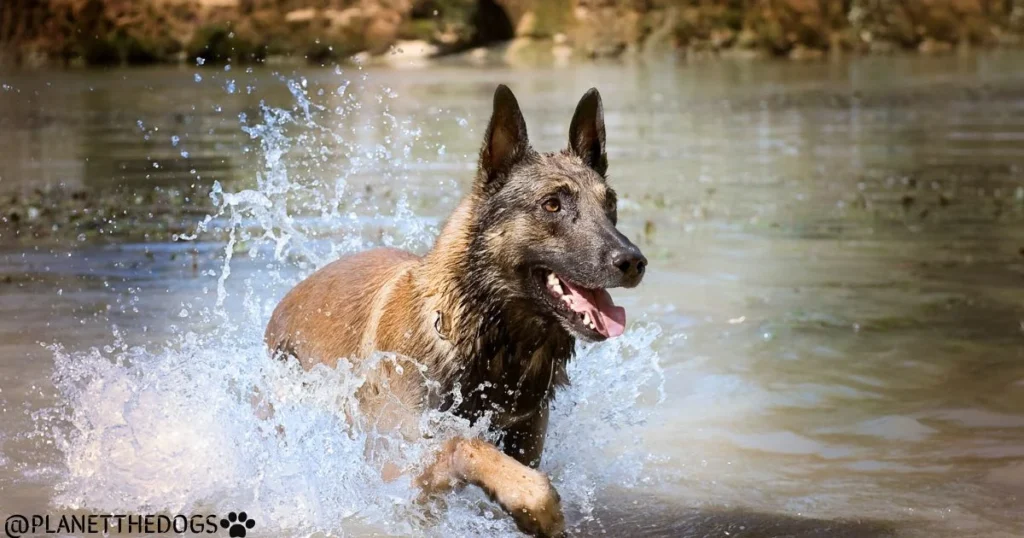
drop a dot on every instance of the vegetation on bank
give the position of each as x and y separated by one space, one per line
115 32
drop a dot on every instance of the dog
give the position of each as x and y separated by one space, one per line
519 272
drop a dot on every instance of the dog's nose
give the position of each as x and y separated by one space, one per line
631 263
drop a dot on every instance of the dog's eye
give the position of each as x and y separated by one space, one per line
552 205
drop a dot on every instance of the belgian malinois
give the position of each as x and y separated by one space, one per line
518 273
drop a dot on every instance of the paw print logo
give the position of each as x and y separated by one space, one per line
237 524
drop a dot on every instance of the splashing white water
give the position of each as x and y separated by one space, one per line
172 427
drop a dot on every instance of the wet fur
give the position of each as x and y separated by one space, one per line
466 312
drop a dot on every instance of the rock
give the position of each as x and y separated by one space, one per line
479 55
300 16
722 38
382 31
933 46
744 54
747 39
361 58
343 19
515 52
562 54
527 25
410 54
802 53
606 29
532 51
448 37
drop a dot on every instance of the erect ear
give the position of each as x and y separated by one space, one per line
505 141
586 132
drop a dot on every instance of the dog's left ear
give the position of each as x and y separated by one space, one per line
586 132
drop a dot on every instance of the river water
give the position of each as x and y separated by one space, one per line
830 340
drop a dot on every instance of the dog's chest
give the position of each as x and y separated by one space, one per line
510 385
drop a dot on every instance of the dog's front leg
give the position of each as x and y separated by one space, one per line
525 493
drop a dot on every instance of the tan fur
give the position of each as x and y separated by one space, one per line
476 329
387 300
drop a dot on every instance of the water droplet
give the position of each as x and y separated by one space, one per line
198 77
183 313
175 140
200 61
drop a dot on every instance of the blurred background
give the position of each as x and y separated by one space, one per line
119 32
829 343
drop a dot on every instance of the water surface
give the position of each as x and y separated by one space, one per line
835 300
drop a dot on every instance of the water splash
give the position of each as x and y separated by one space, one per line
174 426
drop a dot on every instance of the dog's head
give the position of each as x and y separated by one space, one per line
546 221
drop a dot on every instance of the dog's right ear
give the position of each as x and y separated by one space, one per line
505 141
586 132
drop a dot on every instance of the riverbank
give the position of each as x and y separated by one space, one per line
43 33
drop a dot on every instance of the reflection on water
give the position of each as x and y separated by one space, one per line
837 260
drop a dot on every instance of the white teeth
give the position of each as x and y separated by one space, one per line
554 284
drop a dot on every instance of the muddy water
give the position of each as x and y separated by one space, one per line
835 301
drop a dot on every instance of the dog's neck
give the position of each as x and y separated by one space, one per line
505 343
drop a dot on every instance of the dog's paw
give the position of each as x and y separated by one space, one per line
535 505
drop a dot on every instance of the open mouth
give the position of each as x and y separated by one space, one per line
591 312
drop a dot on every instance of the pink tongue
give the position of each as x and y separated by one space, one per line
609 319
